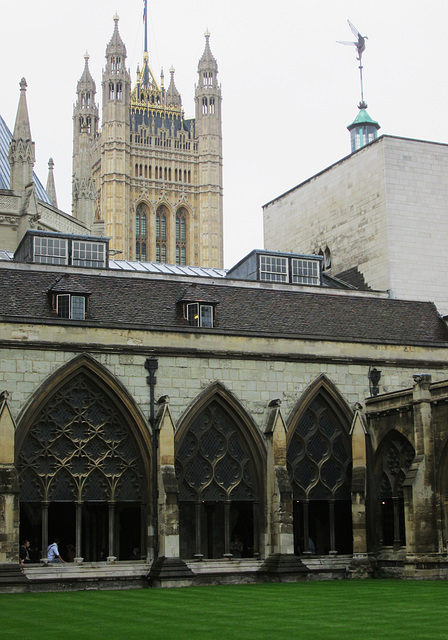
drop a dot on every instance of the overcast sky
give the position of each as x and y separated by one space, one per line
289 90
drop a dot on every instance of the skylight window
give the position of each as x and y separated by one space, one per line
305 271
88 254
50 250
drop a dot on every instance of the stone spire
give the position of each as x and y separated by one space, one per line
51 189
21 149
86 82
207 61
173 95
116 45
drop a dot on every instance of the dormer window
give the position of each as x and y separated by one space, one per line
68 298
71 306
200 315
198 307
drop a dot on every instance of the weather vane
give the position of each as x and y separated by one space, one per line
360 45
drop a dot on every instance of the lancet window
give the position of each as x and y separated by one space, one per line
394 463
141 222
181 236
161 233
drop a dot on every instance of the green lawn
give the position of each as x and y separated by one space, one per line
364 610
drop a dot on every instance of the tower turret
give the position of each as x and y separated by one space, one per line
21 149
85 110
209 133
363 129
115 143
116 80
85 131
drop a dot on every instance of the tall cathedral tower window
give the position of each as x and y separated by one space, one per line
161 217
141 231
181 236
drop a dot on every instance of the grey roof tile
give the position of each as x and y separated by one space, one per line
155 303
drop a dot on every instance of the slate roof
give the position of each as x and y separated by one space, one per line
154 303
354 277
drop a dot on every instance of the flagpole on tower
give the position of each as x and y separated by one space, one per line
145 23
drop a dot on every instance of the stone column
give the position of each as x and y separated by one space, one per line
359 523
9 487
78 526
168 569
168 504
111 557
278 486
419 486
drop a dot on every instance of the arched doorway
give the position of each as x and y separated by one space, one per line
395 456
83 468
219 475
320 462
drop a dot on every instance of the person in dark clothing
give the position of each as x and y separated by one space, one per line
24 553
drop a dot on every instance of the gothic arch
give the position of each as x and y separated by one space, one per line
220 463
324 386
319 459
83 455
87 365
219 392
392 461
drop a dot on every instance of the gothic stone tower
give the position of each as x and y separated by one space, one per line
157 175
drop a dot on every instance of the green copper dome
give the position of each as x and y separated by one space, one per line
363 118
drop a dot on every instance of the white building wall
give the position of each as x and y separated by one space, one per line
417 214
383 209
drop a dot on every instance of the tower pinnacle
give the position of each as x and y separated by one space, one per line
21 149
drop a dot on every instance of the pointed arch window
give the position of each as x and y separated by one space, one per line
319 462
394 461
111 90
218 485
80 450
141 231
119 91
161 233
181 236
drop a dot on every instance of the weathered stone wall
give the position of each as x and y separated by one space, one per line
258 372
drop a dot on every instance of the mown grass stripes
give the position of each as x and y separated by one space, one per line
346 610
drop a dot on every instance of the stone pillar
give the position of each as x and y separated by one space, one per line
111 557
278 486
78 525
419 486
359 523
168 504
168 569
9 487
